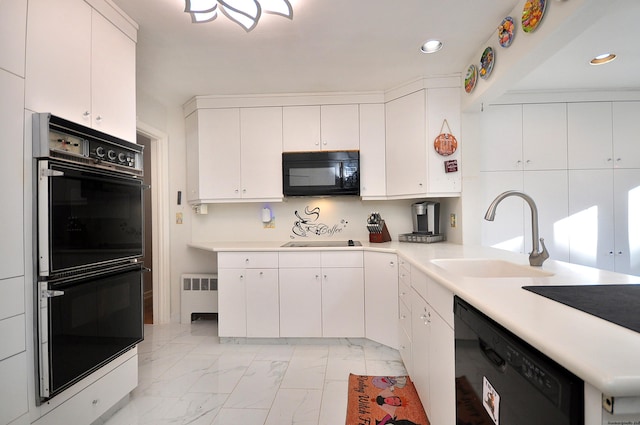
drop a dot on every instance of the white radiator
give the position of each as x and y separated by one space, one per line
199 294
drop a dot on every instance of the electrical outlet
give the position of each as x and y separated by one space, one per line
178 218
452 220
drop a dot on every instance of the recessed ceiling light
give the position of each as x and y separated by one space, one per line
431 46
602 59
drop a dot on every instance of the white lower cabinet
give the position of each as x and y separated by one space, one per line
381 297
300 302
263 313
432 348
13 393
343 302
321 294
248 280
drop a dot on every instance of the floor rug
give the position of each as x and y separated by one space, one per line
384 400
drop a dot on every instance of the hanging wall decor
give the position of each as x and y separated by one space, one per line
506 31
487 61
445 143
532 14
471 78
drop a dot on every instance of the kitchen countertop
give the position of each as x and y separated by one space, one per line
601 353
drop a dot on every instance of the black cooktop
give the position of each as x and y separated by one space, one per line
619 304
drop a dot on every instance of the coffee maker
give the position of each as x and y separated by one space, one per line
426 218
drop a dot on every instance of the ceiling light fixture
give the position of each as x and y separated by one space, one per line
602 59
431 46
245 13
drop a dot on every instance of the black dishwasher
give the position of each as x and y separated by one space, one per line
502 380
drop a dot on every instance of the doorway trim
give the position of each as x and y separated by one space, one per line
160 226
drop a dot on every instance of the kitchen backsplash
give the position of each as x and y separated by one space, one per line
300 219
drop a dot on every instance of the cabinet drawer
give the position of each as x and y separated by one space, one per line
298 260
419 282
441 300
405 350
404 273
404 293
404 316
342 259
247 260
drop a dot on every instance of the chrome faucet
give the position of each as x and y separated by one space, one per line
536 257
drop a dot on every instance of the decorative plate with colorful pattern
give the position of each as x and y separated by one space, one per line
532 14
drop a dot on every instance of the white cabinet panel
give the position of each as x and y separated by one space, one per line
113 80
341 259
590 135
12 175
300 128
80 67
11 297
12 335
252 260
544 136
261 153
420 341
372 151
501 138
232 304
263 311
381 297
627 221
342 302
442 394
591 213
13 392
300 302
406 148
13 26
58 65
213 154
626 134
339 127
549 190
507 230
443 104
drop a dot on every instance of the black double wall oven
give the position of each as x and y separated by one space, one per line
88 250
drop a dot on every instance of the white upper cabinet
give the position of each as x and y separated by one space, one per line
234 154
372 151
590 130
13 23
213 154
406 147
11 174
524 137
626 134
325 127
113 82
413 166
339 127
80 67
501 138
544 136
261 153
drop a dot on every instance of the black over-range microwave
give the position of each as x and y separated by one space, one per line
321 173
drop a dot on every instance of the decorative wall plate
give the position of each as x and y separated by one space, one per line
471 79
486 63
505 31
532 14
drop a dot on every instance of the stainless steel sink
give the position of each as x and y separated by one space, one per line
488 268
321 244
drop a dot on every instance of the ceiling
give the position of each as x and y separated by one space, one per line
354 45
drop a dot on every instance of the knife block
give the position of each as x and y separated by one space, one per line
380 237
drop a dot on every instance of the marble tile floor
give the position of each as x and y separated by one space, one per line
186 376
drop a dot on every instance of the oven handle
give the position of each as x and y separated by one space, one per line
50 293
47 172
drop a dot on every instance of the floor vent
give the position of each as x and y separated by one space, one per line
198 295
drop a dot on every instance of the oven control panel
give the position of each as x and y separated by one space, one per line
114 154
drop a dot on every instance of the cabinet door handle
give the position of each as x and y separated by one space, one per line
391 263
99 119
86 114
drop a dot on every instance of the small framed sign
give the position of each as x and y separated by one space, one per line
451 166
